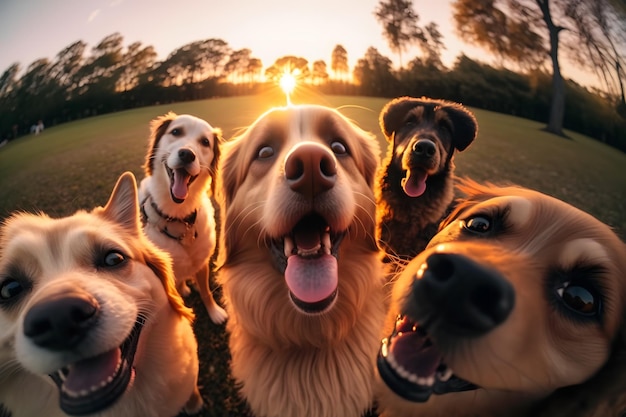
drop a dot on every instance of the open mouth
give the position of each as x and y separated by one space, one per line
414 183
93 384
412 366
308 259
180 180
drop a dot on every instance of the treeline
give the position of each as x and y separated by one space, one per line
112 78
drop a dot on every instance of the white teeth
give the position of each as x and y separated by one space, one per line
309 252
428 381
288 246
326 243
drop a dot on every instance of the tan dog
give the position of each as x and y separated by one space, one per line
88 302
301 277
177 212
518 295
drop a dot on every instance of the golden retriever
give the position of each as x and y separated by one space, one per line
517 296
90 320
176 209
302 280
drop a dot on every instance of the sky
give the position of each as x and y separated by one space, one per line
32 29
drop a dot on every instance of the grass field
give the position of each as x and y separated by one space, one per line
75 165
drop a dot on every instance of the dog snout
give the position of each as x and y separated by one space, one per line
424 148
61 321
462 296
310 169
186 156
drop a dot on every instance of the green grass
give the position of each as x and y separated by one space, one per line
75 165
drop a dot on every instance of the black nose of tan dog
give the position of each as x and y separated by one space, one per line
461 297
424 148
310 169
186 155
61 321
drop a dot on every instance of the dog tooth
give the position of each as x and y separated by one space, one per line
414 379
326 241
83 393
288 242
428 381
384 348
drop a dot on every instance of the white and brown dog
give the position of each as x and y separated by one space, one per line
90 320
176 208
302 280
516 297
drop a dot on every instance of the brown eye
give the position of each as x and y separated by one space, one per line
338 148
579 299
113 258
477 224
205 142
176 132
265 152
10 289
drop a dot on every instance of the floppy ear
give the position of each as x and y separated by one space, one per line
158 127
393 113
217 150
123 206
464 125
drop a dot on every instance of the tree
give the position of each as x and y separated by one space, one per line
373 73
8 80
400 24
237 66
320 73
135 62
296 66
529 31
339 62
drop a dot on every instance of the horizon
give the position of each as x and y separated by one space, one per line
271 30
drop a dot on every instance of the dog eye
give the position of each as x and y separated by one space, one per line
338 148
113 258
205 142
478 224
265 152
579 299
10 289
176 132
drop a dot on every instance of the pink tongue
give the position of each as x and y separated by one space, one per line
414 183
91 372
179 187
311 279
415 354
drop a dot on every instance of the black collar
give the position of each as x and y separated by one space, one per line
179 229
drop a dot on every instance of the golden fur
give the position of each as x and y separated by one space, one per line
292 361
187 148
565 322
101 264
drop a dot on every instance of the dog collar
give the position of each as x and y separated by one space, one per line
180 229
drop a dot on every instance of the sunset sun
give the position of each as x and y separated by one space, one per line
288 83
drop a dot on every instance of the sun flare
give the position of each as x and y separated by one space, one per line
287 84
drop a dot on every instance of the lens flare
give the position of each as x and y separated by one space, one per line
288 83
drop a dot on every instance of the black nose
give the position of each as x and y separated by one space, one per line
461 296
424 148
61 321
310 169
186 155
